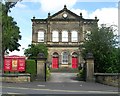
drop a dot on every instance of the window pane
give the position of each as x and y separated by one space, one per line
74 36
64 36
40 36
65 58
55 36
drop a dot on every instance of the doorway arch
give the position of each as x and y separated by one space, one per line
55 60
74 60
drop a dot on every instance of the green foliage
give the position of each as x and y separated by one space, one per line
82 74
47 73
10 30
118 59
31 68
65 69
9 5
33 50
101 42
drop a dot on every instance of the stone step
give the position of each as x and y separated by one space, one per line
64 69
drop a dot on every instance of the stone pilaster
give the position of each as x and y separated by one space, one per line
41 74
48 32
69 36
78 37
60 36
90 70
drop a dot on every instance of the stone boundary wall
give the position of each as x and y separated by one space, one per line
108 78
17 78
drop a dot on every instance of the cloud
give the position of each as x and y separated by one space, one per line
24 45
78 11
97 0
20 5
55 5
107 16
20 53
76 0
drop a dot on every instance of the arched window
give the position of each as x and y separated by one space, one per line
41 36
55 36
64 36
65 58
74 36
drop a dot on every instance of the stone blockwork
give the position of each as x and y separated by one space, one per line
17 78
112 79
60 50
62 22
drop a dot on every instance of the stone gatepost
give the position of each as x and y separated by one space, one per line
90 67
41 67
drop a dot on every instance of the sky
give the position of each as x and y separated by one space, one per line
24 11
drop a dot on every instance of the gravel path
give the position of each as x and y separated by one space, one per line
63 77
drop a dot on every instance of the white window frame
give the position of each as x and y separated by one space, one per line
55 36
74 36
64 36
41 36
65 56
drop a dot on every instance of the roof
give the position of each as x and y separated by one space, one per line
65 10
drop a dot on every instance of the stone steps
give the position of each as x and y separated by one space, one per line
64 69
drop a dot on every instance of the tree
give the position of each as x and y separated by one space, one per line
101 42
9 5
34 50
118 59
10 30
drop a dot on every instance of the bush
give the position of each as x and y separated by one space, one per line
81 75
31 68
47 73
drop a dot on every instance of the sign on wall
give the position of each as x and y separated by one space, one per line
14 63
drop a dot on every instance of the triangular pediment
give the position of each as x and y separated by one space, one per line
64 14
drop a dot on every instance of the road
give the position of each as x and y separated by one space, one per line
59 84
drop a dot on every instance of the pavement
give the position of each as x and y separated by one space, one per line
60 83
63 77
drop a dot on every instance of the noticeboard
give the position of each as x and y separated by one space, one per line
14 63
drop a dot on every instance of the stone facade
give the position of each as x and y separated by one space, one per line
63 33
16 78
111 79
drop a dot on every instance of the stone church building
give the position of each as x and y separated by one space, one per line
63 33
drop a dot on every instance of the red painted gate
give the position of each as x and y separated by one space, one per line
55 62
74 62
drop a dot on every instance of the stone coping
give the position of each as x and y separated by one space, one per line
14 75
107 74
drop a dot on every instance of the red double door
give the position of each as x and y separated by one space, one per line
55 62
74 62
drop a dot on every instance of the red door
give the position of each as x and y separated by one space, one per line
74 62
55 62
